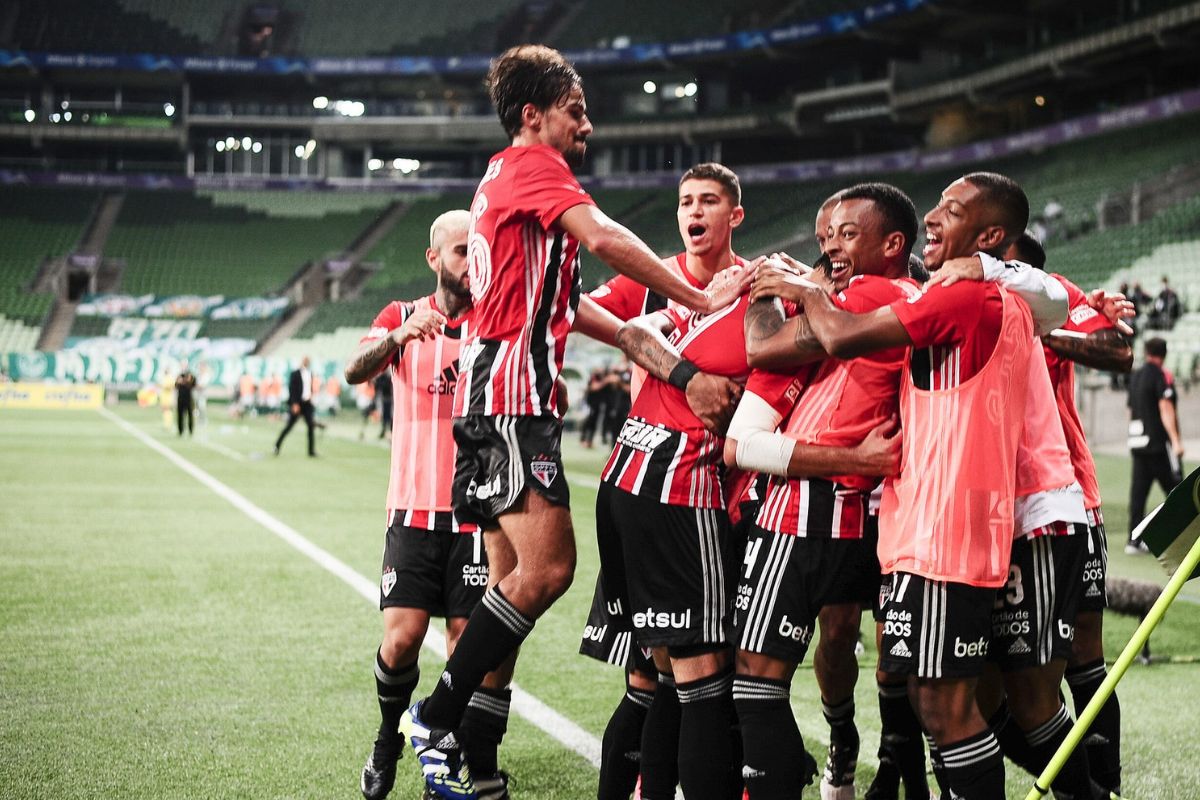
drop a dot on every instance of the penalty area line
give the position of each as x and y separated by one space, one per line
537 713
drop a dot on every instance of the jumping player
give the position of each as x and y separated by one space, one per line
433 565
528 221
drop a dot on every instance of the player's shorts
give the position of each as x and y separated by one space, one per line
608 635
934 629
443 573
1033 620
498 457
1095 566
675 564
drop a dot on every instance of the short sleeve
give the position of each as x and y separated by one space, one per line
392 316
1081 317
779 390
622 296
546 186
943 314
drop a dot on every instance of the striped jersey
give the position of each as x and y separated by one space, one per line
525 284
425 377
1081 318
663 450
839 404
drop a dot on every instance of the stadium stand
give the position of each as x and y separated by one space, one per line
107 26
177 243
299 204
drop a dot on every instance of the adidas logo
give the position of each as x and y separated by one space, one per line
1019 647
900 650
447 382
447 742
1093 590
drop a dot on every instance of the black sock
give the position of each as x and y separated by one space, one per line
705 750
1074 779
496 628
395 688
1011 738
843 737
771 740
484 724
660 743
1103 740
621 748
975 767
900 739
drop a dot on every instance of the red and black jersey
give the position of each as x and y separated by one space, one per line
525 284
664 451
953 329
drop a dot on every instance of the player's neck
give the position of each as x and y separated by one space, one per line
449 303
704 267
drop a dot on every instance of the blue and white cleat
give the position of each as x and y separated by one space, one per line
440 755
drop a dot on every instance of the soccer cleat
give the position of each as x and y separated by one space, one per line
493 788
379 773
837 782
447 776
1136 547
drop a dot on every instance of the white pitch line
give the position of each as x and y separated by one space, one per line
526 705
222 449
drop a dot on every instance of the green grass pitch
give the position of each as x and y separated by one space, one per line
155 642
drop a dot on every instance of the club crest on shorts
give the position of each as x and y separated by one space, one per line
388 581
544 470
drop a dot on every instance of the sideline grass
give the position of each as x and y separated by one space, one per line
157 643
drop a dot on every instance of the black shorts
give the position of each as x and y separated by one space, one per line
1033 620
934 629
674 562
443 573
1095 567
498 457
608 635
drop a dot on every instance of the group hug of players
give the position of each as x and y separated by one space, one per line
803 445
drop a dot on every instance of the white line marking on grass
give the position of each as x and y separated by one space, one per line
222 449
532 709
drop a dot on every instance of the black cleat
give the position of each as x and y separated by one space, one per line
379 773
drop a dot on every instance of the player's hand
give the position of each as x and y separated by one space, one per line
776 278
563 402
713 399
424 323
798 267
954 270
879 451
726 286
1115 307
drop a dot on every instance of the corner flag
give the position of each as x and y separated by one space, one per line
1171 529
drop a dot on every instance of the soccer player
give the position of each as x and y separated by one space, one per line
708 212
819 556
946 522
1092 337
433 565
529 218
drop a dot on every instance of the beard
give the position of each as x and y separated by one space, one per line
456 286
575 155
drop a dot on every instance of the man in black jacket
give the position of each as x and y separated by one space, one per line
1154 441
299 404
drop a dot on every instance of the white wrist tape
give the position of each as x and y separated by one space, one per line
759 447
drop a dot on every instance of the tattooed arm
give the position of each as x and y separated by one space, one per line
777 342
372 356
1105 349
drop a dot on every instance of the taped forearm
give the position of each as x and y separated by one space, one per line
759 447
1045 296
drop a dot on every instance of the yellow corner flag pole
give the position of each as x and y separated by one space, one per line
1180 576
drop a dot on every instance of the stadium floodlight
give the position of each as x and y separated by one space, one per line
230 142
30 115
406 165
257 147
1039 101
55 117
247 142
321 103
649 87
220 146
65 104
374 164
66 116
299 151
679 92
690 89
169 109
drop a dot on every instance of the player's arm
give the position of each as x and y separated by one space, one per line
844 334
712 398
617 246
776 341
1045 296
596 322
374 354
754 444
1105 349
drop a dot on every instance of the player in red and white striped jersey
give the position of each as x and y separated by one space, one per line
529 218
433 564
